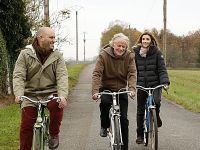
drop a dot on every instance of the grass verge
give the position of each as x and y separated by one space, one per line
185 88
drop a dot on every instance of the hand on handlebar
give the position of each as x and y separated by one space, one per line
17 100
166 87
132 94
95 96
62 102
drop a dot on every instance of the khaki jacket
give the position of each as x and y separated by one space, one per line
31 78
114 73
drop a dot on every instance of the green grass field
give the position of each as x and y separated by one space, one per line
185 88
10 115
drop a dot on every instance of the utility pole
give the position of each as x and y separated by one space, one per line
164 30
84 40
46 13
77 9
129 35
76 36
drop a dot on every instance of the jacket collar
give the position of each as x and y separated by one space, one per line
152 50
52 57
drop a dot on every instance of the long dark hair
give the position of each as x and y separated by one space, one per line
153 39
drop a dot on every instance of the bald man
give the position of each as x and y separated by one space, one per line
40 72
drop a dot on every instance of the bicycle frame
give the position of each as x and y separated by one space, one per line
150 119
115 111
114 132
150 104
41 126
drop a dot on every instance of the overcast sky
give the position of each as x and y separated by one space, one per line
94 17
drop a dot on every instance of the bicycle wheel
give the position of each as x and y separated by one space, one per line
146 128
46 132
153 130
37 139
117 139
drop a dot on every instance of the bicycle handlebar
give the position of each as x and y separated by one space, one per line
107 92
22 98
150 88
141 87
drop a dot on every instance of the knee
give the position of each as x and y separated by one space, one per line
53 105
28 118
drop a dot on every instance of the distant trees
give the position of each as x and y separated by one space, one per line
119 27
182 51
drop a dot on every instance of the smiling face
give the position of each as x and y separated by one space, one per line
120 46
146 40
48 40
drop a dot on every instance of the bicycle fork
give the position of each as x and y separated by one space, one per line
40 125
111 133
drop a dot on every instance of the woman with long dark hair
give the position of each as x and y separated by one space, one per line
151 71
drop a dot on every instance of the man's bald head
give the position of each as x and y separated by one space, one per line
45 39
43 31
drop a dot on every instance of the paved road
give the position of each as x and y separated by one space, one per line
80 126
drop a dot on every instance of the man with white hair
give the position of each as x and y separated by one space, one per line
115 67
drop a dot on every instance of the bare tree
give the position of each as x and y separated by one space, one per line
34 11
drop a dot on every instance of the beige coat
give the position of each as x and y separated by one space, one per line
35 80
114 73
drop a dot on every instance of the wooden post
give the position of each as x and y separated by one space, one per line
164 30
46 13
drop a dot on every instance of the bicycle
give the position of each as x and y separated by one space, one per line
41 126
150 119
114 131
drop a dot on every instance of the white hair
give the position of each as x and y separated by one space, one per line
119 36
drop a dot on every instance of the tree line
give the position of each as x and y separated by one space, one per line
182 51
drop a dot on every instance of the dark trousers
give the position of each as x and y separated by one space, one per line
141 101
28 118
105 106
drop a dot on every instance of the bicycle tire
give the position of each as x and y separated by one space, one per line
37 139
153 130
46 132
146 129
117 140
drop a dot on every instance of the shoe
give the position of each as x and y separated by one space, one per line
53 142
139 140
103 132
159 121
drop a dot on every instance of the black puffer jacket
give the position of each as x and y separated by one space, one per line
151 70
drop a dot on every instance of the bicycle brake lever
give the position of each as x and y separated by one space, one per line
98 97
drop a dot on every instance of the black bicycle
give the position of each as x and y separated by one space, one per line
41 126
150 119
